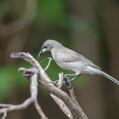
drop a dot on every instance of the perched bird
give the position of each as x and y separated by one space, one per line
73 61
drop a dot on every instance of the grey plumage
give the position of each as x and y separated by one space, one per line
71 60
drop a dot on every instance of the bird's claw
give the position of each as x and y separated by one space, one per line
67 82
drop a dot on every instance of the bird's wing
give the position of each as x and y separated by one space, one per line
68 55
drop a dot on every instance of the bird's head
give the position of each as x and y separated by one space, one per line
48 45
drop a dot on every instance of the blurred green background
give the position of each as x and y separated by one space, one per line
90 27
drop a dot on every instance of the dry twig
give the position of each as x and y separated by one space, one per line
5 108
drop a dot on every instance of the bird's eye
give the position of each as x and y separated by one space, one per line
44 47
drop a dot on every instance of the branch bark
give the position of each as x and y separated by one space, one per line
5 108
68 104
44 80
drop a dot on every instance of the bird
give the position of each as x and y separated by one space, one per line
70 60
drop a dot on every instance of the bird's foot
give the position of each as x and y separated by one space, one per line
67 82
75 76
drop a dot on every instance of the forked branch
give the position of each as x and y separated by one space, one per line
67 104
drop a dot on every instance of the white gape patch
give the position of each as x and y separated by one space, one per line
44 49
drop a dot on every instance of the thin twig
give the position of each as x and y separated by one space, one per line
39 110
33 99
49 62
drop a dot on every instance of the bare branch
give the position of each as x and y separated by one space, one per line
4 115
33 99
70 89
59 101
39 110
62 106
29 58
67 104
61 80
75 109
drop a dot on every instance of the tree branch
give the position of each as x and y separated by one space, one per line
68 104
33 99
44 80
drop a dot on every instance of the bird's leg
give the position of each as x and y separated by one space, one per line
49 61
70 75
67 82
75 76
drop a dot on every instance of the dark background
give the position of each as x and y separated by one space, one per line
90 27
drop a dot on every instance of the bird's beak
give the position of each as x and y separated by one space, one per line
41 51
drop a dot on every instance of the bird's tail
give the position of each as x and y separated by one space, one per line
110 77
